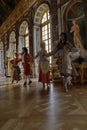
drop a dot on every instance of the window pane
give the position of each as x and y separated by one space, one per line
45 27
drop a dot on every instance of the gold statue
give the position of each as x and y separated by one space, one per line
76 34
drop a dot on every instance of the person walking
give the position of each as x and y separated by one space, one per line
44 76
26 59
63 59
15 68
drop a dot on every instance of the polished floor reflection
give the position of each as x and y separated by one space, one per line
35 108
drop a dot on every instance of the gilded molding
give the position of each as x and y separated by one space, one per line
18 12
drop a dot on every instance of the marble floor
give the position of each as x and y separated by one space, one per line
35 108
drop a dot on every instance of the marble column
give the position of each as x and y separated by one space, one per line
54 21
85 10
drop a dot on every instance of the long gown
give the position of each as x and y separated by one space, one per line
44 75
26 64
15 70
64 61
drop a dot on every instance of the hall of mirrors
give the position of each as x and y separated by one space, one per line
28 103
41 21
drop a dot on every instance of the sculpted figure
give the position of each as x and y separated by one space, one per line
76 34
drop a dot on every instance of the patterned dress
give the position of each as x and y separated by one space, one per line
64 60
43 66
15 69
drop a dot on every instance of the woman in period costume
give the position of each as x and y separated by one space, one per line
43 66
63 50
26 59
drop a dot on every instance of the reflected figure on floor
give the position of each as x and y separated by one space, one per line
44 76
15 68
26 59
75 29
63 50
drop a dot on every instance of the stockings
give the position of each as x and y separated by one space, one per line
67 82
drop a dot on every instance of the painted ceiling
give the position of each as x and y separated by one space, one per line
6 7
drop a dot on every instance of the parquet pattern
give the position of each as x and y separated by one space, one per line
32 108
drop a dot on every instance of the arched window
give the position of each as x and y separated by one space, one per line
23 36
42 31
45 30
23 39
26 38
12 45
10 52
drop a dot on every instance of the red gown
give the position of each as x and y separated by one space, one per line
26 64
44 75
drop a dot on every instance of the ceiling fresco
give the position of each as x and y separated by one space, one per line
6 7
